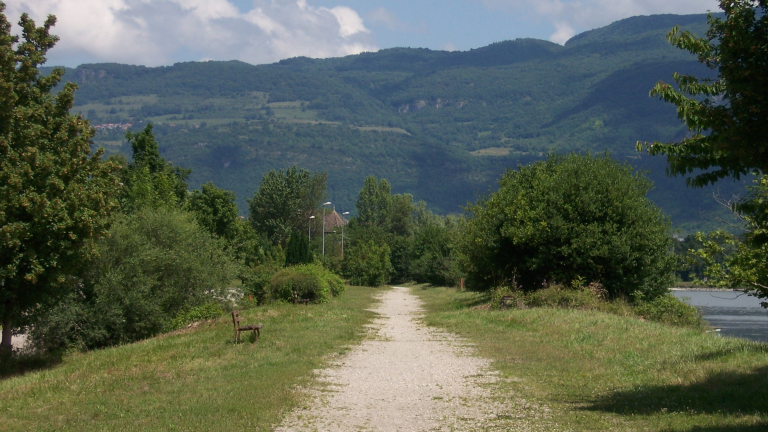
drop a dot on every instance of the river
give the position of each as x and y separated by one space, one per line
734 313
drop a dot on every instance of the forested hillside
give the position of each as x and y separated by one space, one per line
441 125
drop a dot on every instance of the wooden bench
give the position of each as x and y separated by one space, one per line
297 300
255 328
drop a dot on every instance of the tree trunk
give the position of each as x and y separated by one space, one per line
6 345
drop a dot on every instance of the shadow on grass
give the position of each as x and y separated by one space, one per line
724 393
21 363
761 427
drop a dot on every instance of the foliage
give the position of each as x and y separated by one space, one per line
569 217
432 253
297 251
727 115
741 263
215 210
573 297
256 279
54 196
285 200
153 265
310 281
668 309
150 180
206 311
368 264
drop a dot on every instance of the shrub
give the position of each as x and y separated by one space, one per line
154 264
310 281
368 264
207 311
256 280
559 296
567 216
668 309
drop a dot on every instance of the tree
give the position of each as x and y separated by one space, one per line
566 218
297 251
150 180
729 120
154 264
55 197
373 202
727 115
367 263
285 200
215 210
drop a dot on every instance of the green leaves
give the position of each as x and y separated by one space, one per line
565 217
727 115
55 197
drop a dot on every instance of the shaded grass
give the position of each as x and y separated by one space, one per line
190 380
599 371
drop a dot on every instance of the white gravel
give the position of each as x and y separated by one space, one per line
407 377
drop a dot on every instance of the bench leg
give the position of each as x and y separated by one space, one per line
254 334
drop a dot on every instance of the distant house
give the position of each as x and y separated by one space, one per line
334 220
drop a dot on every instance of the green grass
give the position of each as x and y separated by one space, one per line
191 380
598 371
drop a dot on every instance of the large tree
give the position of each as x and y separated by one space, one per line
285 200
54 195
727 116
565 218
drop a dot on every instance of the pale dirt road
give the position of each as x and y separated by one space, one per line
407 377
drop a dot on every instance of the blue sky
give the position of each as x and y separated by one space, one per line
162 32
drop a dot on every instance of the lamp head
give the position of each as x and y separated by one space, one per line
311 217
328 203
345 213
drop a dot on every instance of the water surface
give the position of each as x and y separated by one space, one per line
734 313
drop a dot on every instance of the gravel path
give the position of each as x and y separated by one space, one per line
407 377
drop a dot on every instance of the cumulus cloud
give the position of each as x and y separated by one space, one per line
570 16
159 32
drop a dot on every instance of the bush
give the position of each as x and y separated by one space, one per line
207 311
153 265
310 281
256 280
668 309
559 296
568 216
368 264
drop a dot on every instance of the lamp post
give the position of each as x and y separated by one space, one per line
310 228
342 234
324 204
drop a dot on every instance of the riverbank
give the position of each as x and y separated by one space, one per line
597 371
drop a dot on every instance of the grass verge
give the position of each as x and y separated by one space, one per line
598 371
192 379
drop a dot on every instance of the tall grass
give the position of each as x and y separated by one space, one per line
191 379
601 371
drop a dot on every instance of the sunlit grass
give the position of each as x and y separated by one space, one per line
191 380
599 371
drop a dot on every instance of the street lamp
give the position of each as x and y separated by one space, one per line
342 234
324 204
310 228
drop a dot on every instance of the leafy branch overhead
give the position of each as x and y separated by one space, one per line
727 115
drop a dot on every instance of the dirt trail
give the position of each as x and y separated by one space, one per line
407 377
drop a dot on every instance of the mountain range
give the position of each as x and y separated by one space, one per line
440 125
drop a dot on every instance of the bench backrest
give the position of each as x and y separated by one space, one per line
236 318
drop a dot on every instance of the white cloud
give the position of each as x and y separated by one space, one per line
563 32
579 15
158 32
384 17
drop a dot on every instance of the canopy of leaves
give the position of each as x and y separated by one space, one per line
154 264
728 115
569 217
285 200
215 210
54 195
